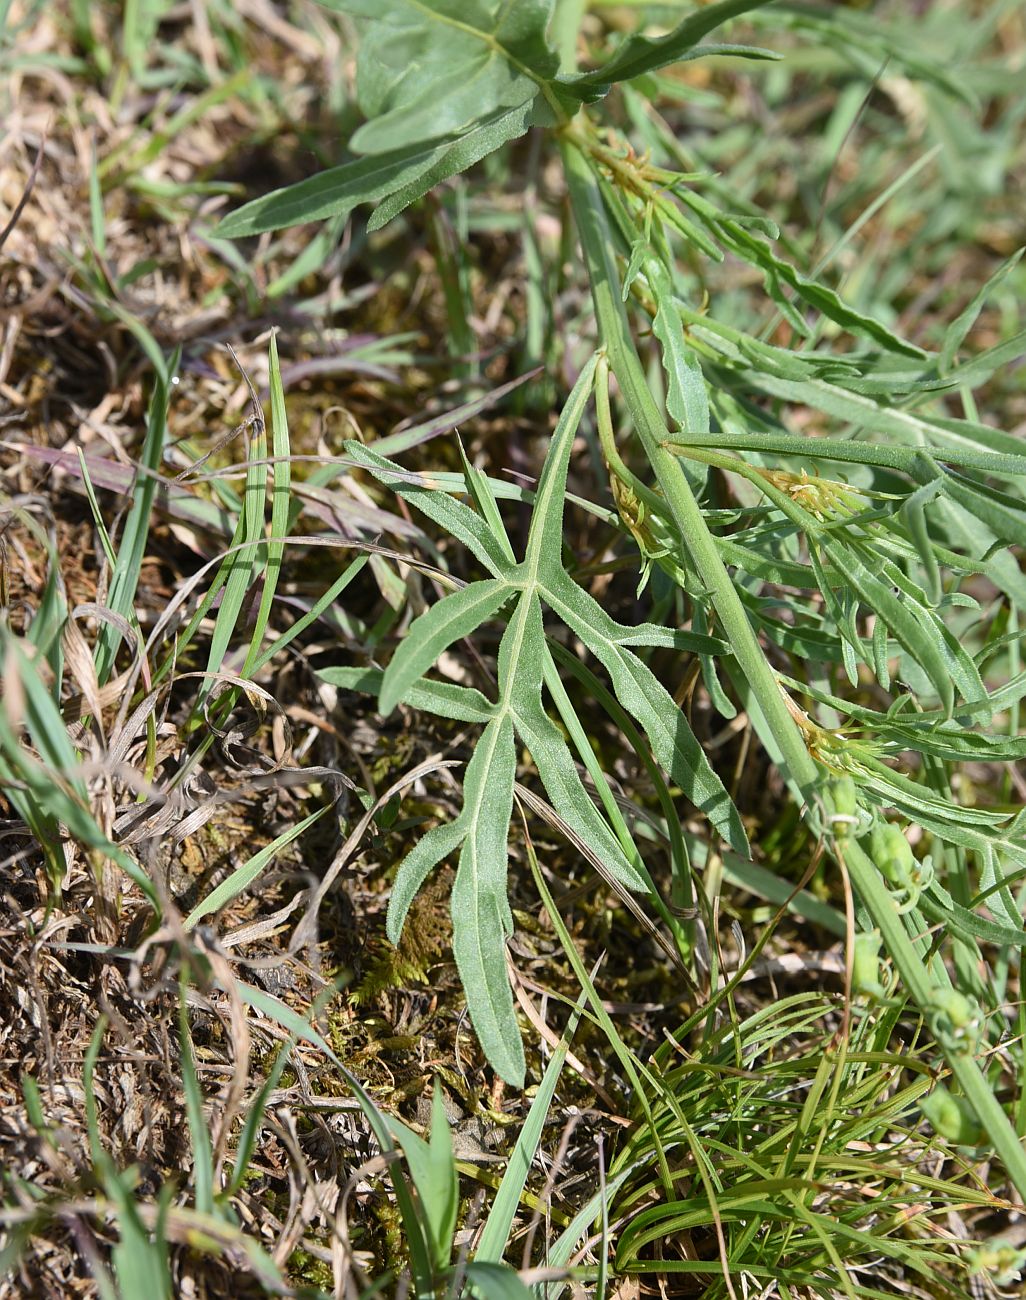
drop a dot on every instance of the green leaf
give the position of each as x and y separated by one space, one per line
431 68
299 1027
758 252
484 499
492 1281
414 869
334 192
998 894
957 331
444 699
977 370
545 540
566 1245
281 470
686 400
668 638
639 54
481 140
140 1264
243 876
494 1239
673 742
974 444
559 776
887 455
253 1122
199 1132
556 768
422 491
243 565
453 617
1002 513
433 1171
50 795
41 715
918 630
968 925
125 579
482 921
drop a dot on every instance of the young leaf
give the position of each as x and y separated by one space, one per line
920 636
686 401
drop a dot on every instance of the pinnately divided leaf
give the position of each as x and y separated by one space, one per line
456 517
650 704
415 868
481 917
445 699
558 774
444 83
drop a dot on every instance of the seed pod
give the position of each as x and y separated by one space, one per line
960 1010
956 1020
951 1117
892 853
865 971
845 799
1000 1260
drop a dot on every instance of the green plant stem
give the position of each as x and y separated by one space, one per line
679 500
917 980
683 508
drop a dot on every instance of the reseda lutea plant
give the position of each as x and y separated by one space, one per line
865 572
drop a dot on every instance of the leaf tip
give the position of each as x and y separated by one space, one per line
388 698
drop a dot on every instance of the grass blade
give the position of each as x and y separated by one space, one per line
243 876
494 1238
